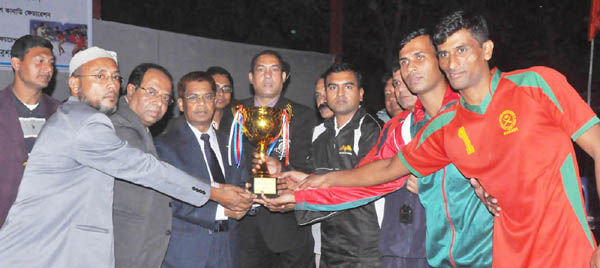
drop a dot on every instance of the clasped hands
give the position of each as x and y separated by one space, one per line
290 181
236 200
287 183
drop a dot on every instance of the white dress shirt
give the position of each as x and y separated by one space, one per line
220 215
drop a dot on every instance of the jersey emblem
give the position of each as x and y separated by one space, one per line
508 122
345 148
462 134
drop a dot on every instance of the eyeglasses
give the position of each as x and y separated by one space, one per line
225 89
105 77
194 98
154 93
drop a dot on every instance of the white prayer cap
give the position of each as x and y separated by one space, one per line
90 54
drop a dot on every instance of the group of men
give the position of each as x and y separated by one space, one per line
411 233
510 133
86 185
92 192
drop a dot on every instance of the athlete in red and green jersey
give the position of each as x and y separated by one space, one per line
512 131
517 143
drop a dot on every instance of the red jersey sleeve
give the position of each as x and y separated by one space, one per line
564 104
389 143
341 198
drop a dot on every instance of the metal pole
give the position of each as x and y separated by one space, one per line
589 85
336 29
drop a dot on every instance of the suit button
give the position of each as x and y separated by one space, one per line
198 190
253 211
168 232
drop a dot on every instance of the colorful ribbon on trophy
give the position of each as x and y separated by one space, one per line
271 147
235 136
285 134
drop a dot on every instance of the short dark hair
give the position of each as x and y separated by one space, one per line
395 67
284 66
197 76
343 67
385 77
412 35
26 42
287 68
473 22
137 75
321 76
212 70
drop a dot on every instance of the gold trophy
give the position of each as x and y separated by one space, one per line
262 126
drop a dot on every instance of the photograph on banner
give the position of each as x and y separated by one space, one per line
71 36
67 24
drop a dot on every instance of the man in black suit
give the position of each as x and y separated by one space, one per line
273 239
205 236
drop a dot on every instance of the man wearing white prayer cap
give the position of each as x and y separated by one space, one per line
62 216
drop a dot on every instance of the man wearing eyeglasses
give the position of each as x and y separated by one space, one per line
62 216
141 216
206 236
223 115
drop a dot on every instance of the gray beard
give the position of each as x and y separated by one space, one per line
103 109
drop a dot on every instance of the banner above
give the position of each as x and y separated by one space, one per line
67 24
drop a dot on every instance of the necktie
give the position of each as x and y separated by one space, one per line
211 159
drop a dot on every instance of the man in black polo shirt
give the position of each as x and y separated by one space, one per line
273 239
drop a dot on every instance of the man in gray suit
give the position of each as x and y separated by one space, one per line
62 216
141 216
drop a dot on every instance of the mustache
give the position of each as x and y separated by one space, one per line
324 106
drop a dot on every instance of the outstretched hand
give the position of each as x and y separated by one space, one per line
412 185
233 197
294 180
287 183
289 180
489 201
286 201
235 214
314 181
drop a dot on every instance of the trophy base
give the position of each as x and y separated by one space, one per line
266 185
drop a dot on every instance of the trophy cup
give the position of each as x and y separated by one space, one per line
262 126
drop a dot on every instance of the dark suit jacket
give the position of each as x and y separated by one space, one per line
12 147
141 216
278 229
226 120
190 239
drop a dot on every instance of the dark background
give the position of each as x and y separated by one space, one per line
526 33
